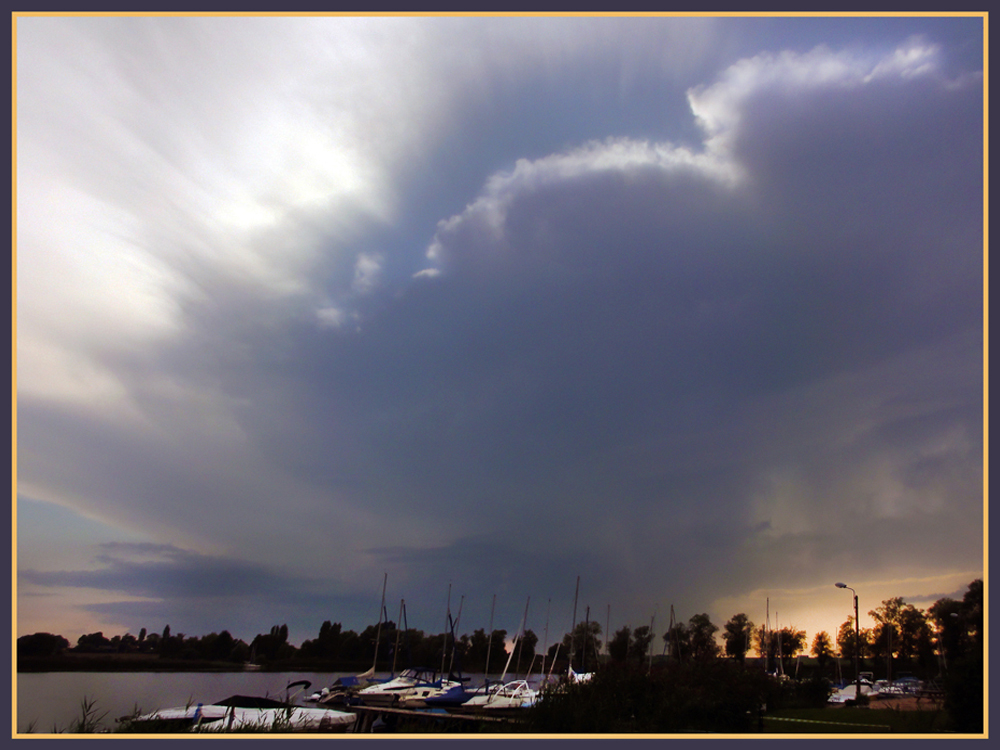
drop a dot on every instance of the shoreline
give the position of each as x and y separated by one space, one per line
153 663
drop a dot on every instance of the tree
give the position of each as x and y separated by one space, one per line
476 647
170 645
618 647
737 634
964 684
583 644
528 642
849 644
631 645
971 613
767 646
497 648
377 637
677 641
916 640
525 649
642 638
959 626
93 642
327 644
701 637
272 646
217 646
944 613
41 644
901 631
822 648
790 643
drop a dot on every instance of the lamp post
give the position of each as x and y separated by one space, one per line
857 644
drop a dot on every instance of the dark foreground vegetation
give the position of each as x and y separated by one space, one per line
719 697
694 684
714 696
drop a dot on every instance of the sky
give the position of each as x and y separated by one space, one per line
689 309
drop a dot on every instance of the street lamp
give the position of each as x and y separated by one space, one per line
857 644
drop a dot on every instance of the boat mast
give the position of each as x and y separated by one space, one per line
444 639
767 638
780 669
395 648
572 634
607 634
545 649
378 630
651 621
517 637
524 622
671 636
451 664
489 640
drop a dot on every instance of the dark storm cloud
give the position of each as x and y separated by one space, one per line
202 593
172 573
676 369
628 304
642 309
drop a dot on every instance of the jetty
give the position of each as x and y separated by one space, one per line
376 718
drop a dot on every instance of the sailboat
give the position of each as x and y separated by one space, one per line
503 696
497 697
414 685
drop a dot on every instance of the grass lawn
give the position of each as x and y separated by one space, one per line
854 721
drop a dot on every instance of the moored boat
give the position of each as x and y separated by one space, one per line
409 690
509 696
241 713
850 691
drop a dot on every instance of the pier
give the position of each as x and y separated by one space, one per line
392 718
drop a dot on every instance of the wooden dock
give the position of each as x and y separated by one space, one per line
391 718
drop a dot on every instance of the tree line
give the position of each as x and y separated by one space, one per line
948 632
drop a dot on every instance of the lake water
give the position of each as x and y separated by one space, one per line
51 701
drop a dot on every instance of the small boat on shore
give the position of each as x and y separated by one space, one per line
241 713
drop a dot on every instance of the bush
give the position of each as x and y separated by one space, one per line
811 693
41 644
710 696
963 699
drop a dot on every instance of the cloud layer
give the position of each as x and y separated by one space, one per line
322 298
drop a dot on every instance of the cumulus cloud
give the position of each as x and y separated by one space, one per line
366 272
488 213
332 317
717 107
